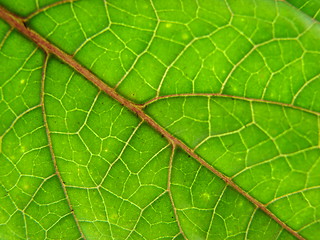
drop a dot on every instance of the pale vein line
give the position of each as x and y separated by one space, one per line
5 37
249 223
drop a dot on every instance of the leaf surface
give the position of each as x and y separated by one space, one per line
159 120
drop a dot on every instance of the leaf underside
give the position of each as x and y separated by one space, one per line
196 119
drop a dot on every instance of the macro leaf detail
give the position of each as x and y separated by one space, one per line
159 119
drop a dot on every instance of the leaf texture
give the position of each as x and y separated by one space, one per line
159 119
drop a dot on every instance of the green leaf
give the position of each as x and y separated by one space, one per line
159 119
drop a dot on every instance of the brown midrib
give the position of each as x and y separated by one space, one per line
18 23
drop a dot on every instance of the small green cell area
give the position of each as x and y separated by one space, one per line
113 216
89 129
300 211
20 71
309 37
179 117
88 204
291 129
206 208
25 158
310 97
264 146
276 70
279 70
212 59
139 174
195 191
312 231
284 60
200 18
49 214
278 152
193 119
176 10
254 19
269 135
263 227
111 53
131 187
231 216
281 176
107 56
226 153
217 14
140 15
144 79
310 7
104 37
7 207
273 71
158 220
69 25
25 162
68 97
228 40
132 24
14 228
168 70
258 30
96 229
290 22
208 68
